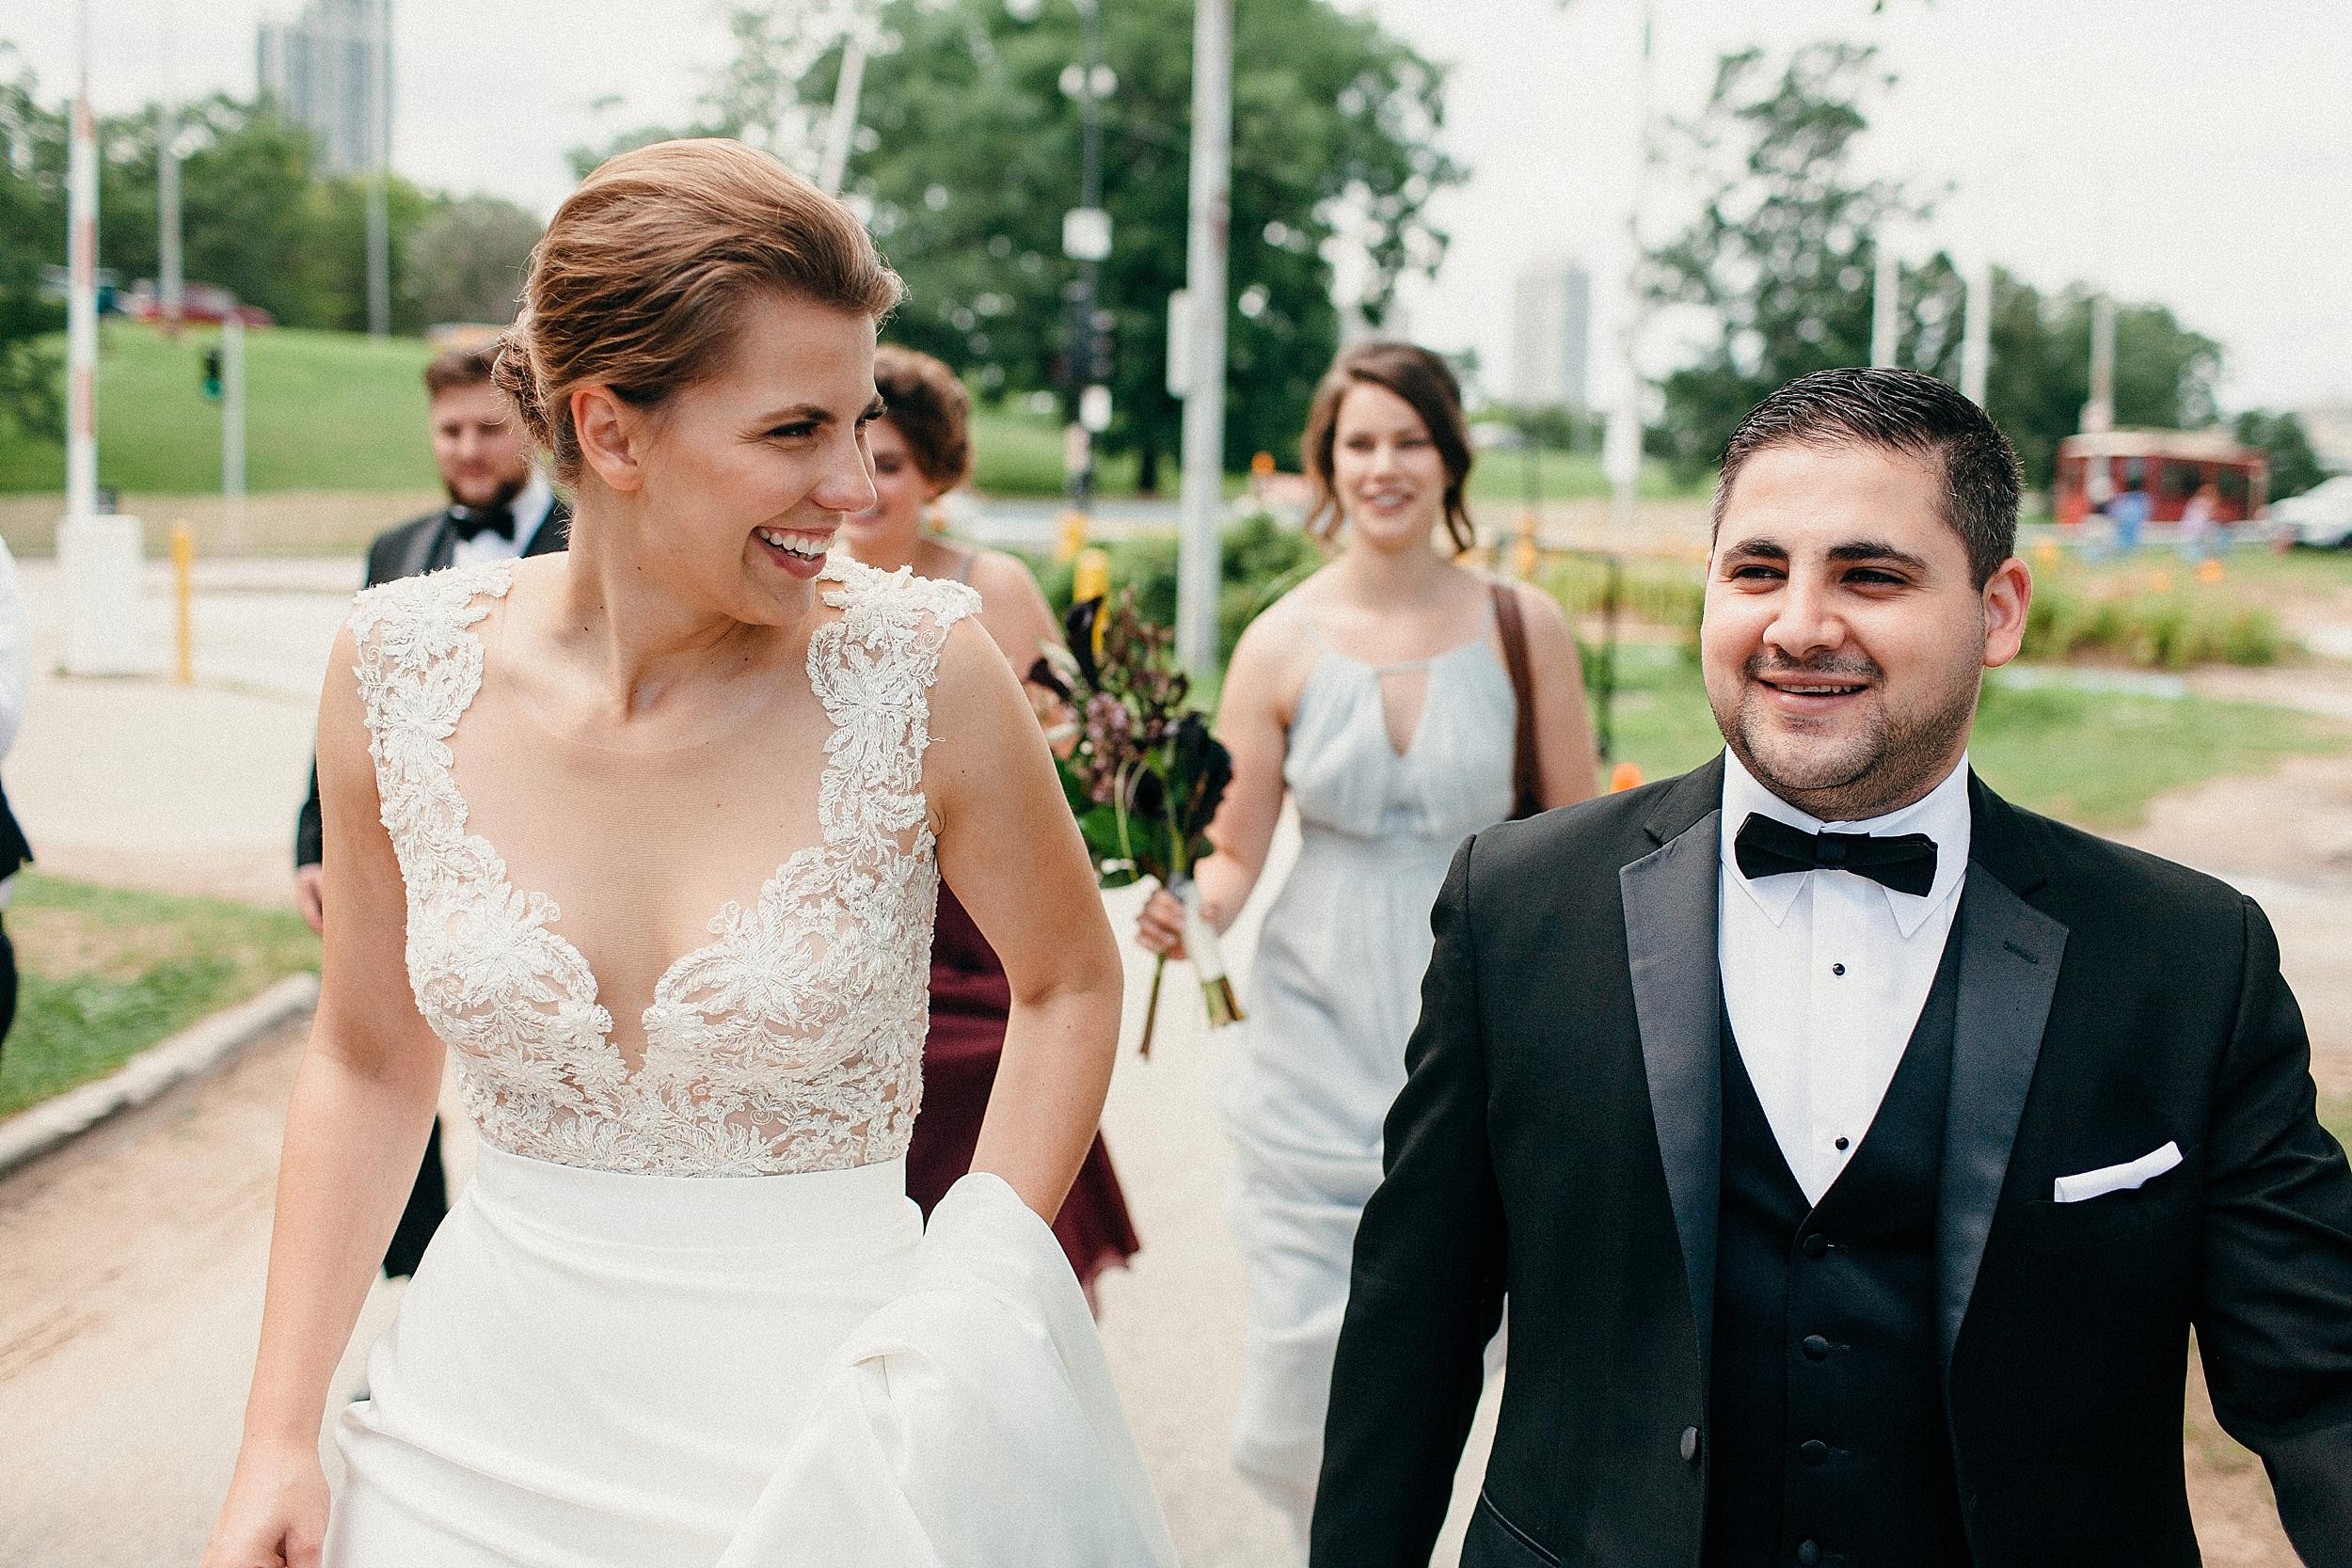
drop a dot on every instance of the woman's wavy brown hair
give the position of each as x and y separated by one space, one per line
931 410
640 279
1422 379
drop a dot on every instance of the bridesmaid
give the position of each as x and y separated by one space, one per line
1378 693
922 449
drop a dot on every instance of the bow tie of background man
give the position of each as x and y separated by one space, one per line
1840 1224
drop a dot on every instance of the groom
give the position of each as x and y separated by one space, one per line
1856 1151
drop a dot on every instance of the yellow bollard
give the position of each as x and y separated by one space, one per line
1524 553
1091 578
184 594
1073 535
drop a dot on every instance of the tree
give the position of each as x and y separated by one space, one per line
2038 369
2295 468
468 257
968 155
32 236
1779 259
1781 262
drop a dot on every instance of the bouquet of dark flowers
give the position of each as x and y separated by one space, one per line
1141 771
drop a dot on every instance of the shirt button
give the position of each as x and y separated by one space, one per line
1813 1451
1816 1347
1808 1554
1816 1245
1843 1144
1837 969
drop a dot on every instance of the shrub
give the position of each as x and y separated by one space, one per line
1260 557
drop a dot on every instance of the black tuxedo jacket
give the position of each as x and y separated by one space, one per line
1558 1143
415 547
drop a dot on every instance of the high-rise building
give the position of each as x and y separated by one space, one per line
1551 319
323 70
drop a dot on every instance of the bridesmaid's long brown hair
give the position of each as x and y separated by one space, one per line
1422 379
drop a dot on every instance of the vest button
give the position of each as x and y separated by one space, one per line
1816 1347
1816 1245
1690 1445
1813 1451
1808 1554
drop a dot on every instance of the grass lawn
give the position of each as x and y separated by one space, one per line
343 411
106 973
2094 758
324 411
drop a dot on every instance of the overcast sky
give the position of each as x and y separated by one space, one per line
2182 150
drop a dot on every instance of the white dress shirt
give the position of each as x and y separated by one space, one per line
531 506
1825 972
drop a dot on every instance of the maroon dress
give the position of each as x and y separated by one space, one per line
970 1002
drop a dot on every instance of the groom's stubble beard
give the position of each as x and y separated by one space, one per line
1894 756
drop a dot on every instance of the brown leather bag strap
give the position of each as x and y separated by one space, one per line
1527 794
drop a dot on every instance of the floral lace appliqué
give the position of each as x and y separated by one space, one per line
793 1041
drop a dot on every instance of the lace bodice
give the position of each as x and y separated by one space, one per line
793 1041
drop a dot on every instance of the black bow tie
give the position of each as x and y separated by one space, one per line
472 522
1769 847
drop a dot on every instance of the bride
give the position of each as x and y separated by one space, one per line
685 1313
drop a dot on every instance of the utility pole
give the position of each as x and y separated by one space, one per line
1976 337
232 430
841 126
379 58
1621 441
1086 239
1211 204
98 557
2099 413
81 452
1885 295
168 281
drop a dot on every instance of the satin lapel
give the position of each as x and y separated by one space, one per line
2010 954
1678 1002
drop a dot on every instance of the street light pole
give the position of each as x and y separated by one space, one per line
379 145
81 464
1621 442
841 126
168 281
1085 241
1211 216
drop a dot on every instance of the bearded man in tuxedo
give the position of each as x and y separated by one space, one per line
1856 1151
499 509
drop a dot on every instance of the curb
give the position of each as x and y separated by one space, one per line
190 1054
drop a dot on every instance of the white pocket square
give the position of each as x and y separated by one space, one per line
2117 1179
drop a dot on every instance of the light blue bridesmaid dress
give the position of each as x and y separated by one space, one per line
1334 995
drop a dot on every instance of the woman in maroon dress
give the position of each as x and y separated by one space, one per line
922 450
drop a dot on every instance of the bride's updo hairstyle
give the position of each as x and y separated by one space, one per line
1422 379
639 280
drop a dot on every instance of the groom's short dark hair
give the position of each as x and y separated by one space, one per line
1905 412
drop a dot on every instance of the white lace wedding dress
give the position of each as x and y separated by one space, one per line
685 1313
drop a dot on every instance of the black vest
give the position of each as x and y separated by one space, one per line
1830 1447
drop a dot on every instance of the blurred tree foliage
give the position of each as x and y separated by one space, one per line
2295 468
257 218
1781 261
32 236
967 157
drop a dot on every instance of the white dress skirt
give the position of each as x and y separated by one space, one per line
598 1369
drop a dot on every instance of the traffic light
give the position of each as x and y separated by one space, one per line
212 376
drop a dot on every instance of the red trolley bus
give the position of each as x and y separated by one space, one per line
2169 464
